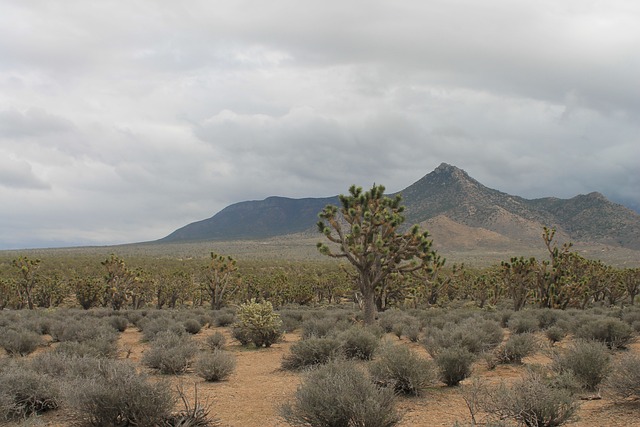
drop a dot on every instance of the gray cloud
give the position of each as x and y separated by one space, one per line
122 124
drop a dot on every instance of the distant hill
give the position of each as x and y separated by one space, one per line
458 210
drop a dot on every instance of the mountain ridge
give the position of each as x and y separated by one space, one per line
486 215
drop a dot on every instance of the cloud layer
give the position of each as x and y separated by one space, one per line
122 123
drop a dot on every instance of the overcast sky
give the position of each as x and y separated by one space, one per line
121 121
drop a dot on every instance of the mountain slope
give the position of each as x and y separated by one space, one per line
449 198
273 216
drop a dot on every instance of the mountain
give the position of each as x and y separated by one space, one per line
457 209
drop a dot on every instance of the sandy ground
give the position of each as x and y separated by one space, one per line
253 393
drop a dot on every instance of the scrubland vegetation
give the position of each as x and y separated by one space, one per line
363 337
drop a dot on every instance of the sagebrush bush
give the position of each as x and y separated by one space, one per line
523 322
259 323
555 334
117 395
192 326
170 353
24 392
119 323
624 380
224 317
216 341
531 402
587 361
358 343
454 364
81 330
150 327
338 394
95 347
476 335
312 351
19 342
614 333
403 370
322 327
516 348
215 366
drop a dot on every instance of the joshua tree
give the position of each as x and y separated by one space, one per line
365 229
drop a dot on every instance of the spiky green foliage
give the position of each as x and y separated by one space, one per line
365 230
258 323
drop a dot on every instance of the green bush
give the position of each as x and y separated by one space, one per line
624 380
401 369
259 323
24 392
587 361
19 342
614 333
516 348
96 347
338 394
358 343
170 353
311 351
215 366
116 395
454 364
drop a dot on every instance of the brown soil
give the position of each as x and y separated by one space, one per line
252 395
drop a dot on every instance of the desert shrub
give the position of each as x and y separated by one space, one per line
548 317
96 347
192 326
116 395
624 380
412 331
401 369
241 335
19 342
25 392
312 351
170 353
614 333
338 394
555 334
291 319
215 366
476 335
81 330
216 341
358 343
587 361
516 348
322 327
505 316
224 317
119 323
152 326
531 402
454 364
523 322
259 323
